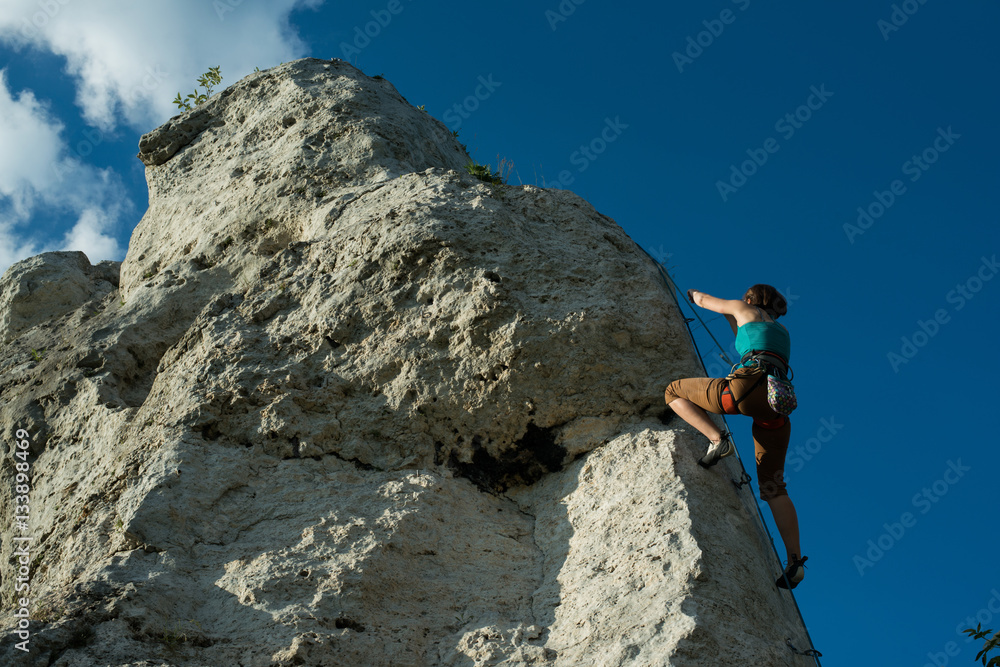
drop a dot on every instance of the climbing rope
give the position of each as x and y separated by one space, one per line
665 275
745 478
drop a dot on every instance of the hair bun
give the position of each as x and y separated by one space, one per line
768 299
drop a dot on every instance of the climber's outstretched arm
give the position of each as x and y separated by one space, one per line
736 312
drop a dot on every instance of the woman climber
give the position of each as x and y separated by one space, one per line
765 346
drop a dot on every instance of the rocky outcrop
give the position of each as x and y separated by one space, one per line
349 405
46 287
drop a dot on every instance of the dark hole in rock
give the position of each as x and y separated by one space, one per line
341 623
211 431
525 462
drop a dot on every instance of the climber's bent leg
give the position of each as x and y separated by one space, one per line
692 398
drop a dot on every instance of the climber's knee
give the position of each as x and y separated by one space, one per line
771 491
774 487
673 392
772 424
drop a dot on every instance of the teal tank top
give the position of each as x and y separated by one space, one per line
764 336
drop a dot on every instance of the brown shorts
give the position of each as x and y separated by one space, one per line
771 431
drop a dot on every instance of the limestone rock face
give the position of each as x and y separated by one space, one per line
47 286
348 405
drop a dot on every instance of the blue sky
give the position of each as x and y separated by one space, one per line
738 161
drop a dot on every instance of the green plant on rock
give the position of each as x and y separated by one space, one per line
37 355
992 644
483 172
209 80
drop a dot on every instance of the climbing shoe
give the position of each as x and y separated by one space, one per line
795 572
716 451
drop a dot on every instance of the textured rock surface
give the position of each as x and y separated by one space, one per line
43 288
349 405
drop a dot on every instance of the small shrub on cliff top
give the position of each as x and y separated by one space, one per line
484 173
208 81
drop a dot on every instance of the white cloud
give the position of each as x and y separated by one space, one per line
131 58
13 249
37 175
128 61
30 142
90 234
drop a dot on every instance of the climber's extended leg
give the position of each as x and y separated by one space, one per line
787 521
771 444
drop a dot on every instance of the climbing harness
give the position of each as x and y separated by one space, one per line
745 478
776 371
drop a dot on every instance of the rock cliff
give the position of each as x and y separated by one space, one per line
345 404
